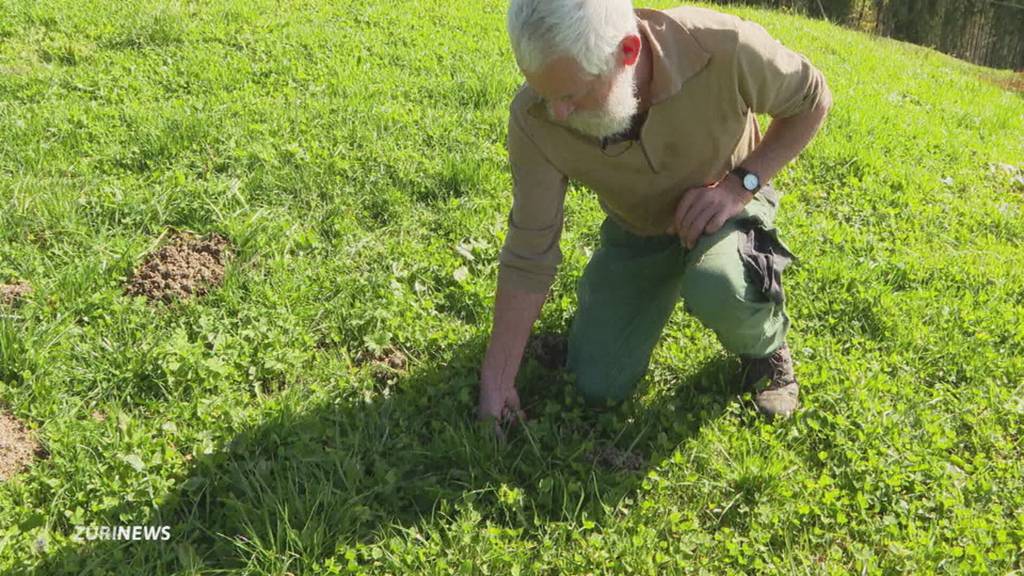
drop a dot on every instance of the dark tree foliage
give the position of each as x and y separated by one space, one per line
989 32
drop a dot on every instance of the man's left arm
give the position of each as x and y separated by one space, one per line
777 81
785 139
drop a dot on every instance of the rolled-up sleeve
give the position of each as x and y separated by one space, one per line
773 79
530 255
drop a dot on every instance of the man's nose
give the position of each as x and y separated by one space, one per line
561 110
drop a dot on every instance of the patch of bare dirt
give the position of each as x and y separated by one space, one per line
1015 174
11 294
385 364
17 447
1014 83
549 349
611 458
184 267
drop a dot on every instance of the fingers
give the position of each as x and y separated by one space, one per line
716 223
696 218
499 433
729 206
685 203
501 409
701 211
696 228
510 417
686 224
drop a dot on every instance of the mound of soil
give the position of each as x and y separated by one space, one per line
384 365
611 458
1012 83
186 266
10 294
1014 173
17 448
549 349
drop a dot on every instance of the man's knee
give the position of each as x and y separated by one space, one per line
601 386
719 295
712 291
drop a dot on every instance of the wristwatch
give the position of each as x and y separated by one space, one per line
751 182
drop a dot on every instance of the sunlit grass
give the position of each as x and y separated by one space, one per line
354 154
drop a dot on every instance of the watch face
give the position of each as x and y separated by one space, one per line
750 182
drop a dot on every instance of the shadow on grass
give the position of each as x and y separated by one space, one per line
317 478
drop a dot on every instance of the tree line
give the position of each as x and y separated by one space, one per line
988 32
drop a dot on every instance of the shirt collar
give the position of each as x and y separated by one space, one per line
676 56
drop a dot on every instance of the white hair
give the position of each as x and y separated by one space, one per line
587 30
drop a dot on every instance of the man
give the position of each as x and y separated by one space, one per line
655 112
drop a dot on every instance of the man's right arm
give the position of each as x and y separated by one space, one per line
527 265
515 311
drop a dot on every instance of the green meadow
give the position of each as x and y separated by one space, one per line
353 154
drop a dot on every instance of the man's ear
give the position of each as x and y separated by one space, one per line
630 47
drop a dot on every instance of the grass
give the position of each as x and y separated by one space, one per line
354 153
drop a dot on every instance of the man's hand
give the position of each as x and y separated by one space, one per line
500 403
514 314
705 209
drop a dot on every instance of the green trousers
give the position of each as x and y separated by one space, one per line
731 281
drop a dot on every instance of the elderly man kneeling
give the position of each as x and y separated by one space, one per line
655 112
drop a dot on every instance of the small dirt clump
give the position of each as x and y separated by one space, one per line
17 447
11 294
611 458
384 364
186 266
549 349
394 359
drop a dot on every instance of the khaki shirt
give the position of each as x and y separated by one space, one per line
711 72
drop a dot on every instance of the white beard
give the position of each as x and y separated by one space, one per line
617 115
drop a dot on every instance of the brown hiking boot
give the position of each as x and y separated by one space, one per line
772 382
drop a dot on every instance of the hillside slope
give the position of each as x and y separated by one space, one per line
313 413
